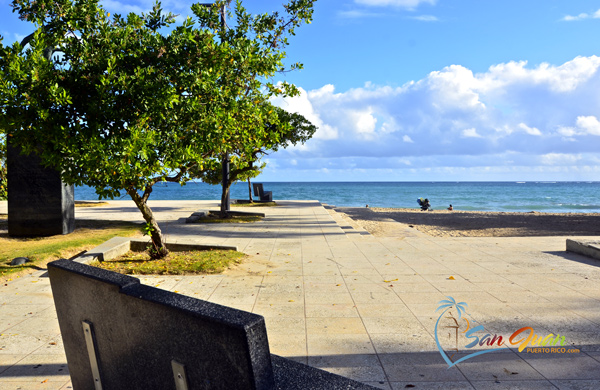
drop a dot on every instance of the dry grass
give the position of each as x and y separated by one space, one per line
176 263
41 250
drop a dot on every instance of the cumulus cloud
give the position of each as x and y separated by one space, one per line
581 16
512 115
409 4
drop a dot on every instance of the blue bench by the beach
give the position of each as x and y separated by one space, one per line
119 334
261 193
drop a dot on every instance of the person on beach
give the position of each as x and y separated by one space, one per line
424 203
450 208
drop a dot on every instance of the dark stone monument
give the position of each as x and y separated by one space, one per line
119 334
39 203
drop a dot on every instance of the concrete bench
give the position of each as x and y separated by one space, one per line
261 193
121 334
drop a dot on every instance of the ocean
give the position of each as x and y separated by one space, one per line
554 197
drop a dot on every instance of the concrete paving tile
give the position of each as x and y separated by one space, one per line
446 385
423 309
280 298
497 366
399 287
369 287
381 296
363 368
36 326
341 325
384 310
335 279
513 385
577 384
563 366
339 344
399 325
379 385
38 368
279 310
287 344
331 311
18 343
317 298
420 366
35 386
422 298
285 325
594 355
390 343
326 287
9 360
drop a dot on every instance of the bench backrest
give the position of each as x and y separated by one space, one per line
120 334
258 189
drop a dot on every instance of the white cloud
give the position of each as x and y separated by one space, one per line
560 159
409 4
457 118
426 18
581 16
589 125
302 105
471 133
529 130
357 14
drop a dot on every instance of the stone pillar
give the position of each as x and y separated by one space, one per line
39 203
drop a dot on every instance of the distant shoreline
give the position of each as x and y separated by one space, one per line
457 223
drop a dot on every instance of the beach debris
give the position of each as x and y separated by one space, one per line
451 277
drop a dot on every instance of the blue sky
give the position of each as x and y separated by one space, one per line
435 90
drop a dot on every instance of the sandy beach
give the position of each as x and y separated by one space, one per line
444 223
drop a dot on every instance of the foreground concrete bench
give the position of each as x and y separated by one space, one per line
121 334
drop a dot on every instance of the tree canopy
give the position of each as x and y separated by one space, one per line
282 130
121 103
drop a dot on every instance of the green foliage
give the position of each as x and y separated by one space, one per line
280 131
122 103
3 171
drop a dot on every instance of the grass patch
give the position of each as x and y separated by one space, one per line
255 204
41 250
89 203
176 263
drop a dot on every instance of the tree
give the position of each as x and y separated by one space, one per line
125 103
284 129
3 171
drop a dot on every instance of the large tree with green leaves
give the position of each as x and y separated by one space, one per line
126 102
282 130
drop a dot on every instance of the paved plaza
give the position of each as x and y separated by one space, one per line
338 298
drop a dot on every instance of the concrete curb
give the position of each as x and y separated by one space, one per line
118 246
584 247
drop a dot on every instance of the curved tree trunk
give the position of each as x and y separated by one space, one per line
159 248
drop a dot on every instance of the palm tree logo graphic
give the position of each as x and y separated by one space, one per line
446 305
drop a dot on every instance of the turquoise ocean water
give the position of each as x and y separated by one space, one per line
561 197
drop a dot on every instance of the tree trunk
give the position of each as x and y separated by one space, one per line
159 249
224 197
250 191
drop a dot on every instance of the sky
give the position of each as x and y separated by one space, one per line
434 90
